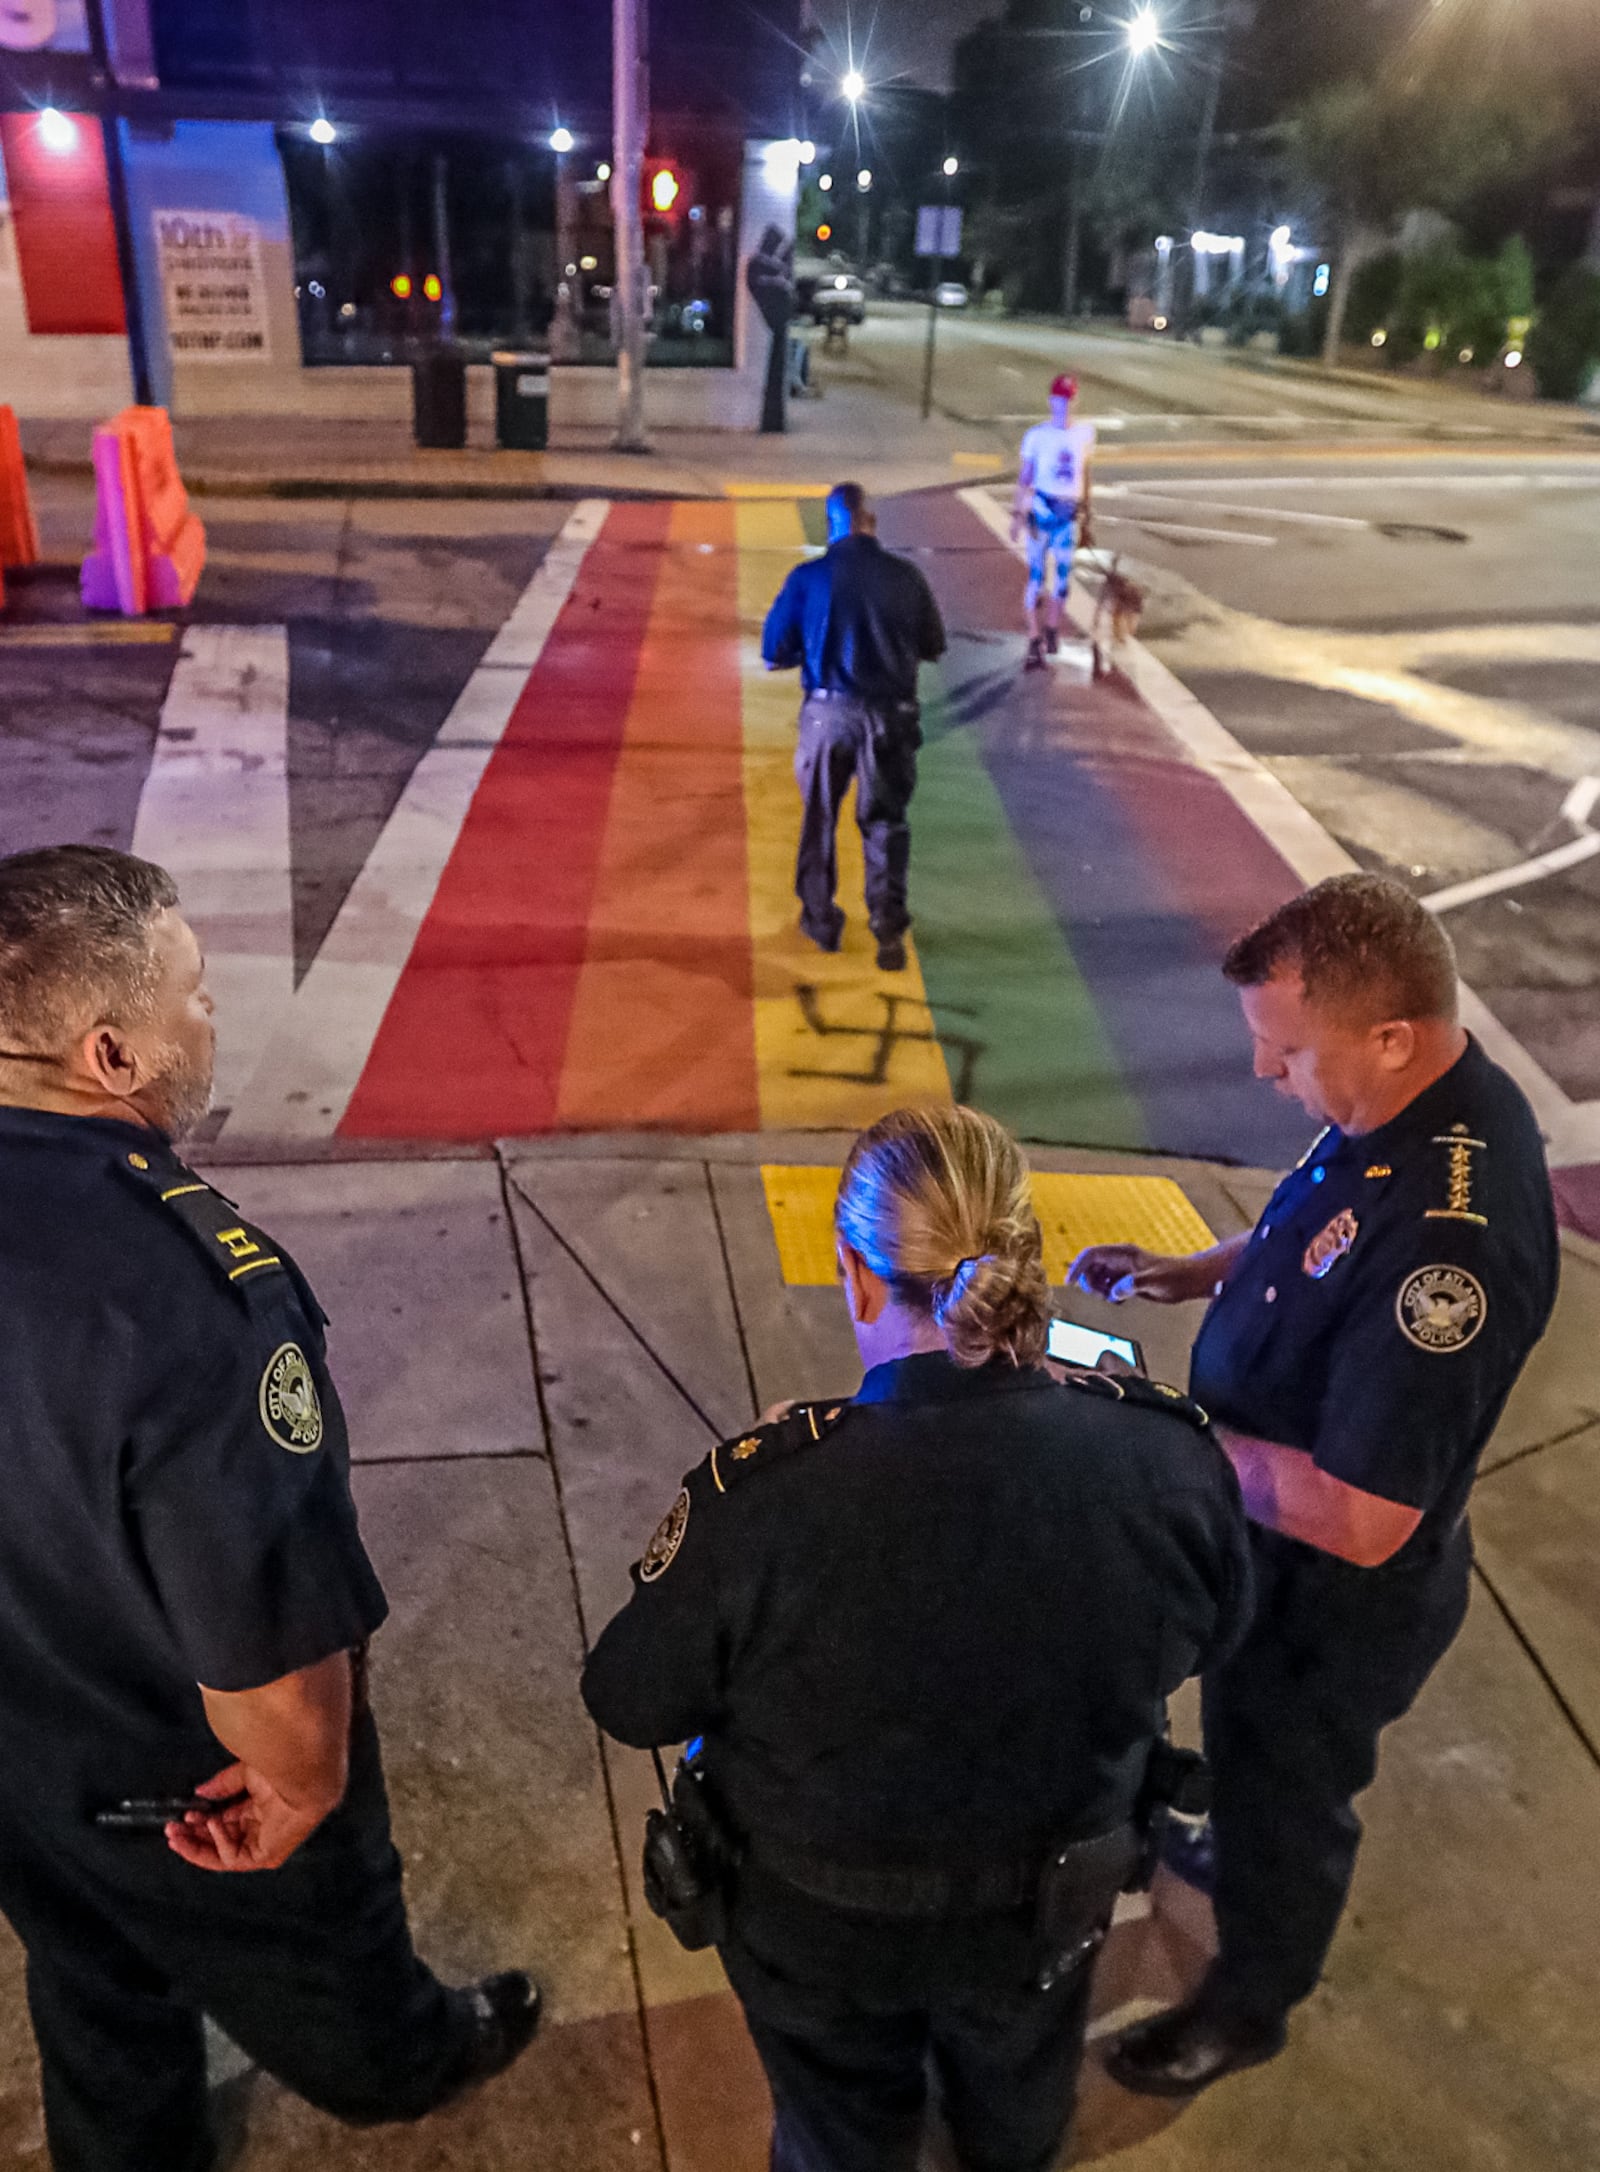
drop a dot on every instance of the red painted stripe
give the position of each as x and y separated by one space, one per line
473 1041
663 1030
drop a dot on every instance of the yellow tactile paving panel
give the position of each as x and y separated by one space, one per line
1073 1211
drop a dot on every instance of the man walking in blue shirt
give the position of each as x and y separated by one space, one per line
857 622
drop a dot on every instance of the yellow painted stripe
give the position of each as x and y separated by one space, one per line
837 1042
134 633
1073 1210
738 486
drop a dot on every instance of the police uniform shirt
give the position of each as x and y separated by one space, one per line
1390 1295
937 1622
174 1460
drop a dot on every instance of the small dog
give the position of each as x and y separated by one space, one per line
1116 612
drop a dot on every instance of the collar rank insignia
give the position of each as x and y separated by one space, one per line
1330 1246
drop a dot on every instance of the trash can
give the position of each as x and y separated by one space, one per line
439 400
521 401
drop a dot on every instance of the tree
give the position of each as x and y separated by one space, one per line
1374 151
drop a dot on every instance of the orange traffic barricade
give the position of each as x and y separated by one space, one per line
150 549
19 534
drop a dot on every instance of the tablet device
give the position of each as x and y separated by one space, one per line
1084 1347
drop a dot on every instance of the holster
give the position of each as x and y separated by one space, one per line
690 1854
1177 1783
1077 1892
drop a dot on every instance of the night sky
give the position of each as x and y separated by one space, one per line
903 40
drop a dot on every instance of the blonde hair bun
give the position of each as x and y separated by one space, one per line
936 1202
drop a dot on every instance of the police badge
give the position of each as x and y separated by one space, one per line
1330 1245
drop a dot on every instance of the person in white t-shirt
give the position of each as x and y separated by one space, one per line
1053 499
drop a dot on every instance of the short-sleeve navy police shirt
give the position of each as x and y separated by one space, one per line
174 1462
1390 1294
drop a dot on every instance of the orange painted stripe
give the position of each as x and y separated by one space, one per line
662 1033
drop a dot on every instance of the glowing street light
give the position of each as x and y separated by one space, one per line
562 140
323 130
864 178
952 166
854 86
808 152
1143 32
825 182
58 131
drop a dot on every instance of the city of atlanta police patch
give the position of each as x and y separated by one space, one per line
1441 1308
662 1550
290 1410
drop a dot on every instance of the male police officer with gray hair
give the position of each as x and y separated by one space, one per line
184 1596
857 621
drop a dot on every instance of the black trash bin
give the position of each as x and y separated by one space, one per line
522 401
439 400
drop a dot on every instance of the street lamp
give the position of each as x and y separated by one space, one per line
864 178
323 130
57 132
854 86
562 140
1143 32
808 152
952 166
825 182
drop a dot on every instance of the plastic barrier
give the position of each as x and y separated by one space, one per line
19 537
150 550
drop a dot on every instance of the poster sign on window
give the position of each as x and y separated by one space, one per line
213 285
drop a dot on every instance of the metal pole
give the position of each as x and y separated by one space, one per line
121 219
933 320
441 245
629 105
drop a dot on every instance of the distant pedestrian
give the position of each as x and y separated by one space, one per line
185 1600
857 622
1053 502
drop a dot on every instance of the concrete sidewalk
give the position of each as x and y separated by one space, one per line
534 1344
848 430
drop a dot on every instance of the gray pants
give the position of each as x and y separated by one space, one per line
842 738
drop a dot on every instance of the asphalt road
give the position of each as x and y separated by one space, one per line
1396 608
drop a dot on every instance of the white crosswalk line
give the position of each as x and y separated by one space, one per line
215 813
304 1081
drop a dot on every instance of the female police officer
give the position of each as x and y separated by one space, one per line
928 1636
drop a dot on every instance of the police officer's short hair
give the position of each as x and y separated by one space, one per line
936 1201
1360 943
850 500
75 942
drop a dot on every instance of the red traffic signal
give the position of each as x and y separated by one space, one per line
667 189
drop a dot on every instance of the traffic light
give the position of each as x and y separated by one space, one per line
400 286
824 232
668 190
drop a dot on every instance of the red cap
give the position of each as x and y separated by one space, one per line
1064 388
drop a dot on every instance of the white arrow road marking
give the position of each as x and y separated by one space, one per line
1576 809
305 1079
215 813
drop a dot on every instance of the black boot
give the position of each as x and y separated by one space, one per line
1189 2047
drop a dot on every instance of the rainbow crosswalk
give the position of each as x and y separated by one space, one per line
611 939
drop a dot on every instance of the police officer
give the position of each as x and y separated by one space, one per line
928 1635
1359 1349
857 621
184 1596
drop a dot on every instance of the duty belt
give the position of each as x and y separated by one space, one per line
1105 1861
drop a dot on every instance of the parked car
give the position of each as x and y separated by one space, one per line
840 297
950 294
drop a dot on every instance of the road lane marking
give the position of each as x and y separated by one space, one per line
313 1064
1572 1129
1180 532
1144 495
215 813
1576 809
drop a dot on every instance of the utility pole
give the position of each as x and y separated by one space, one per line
630 106
105 95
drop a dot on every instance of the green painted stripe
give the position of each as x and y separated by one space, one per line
999 972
